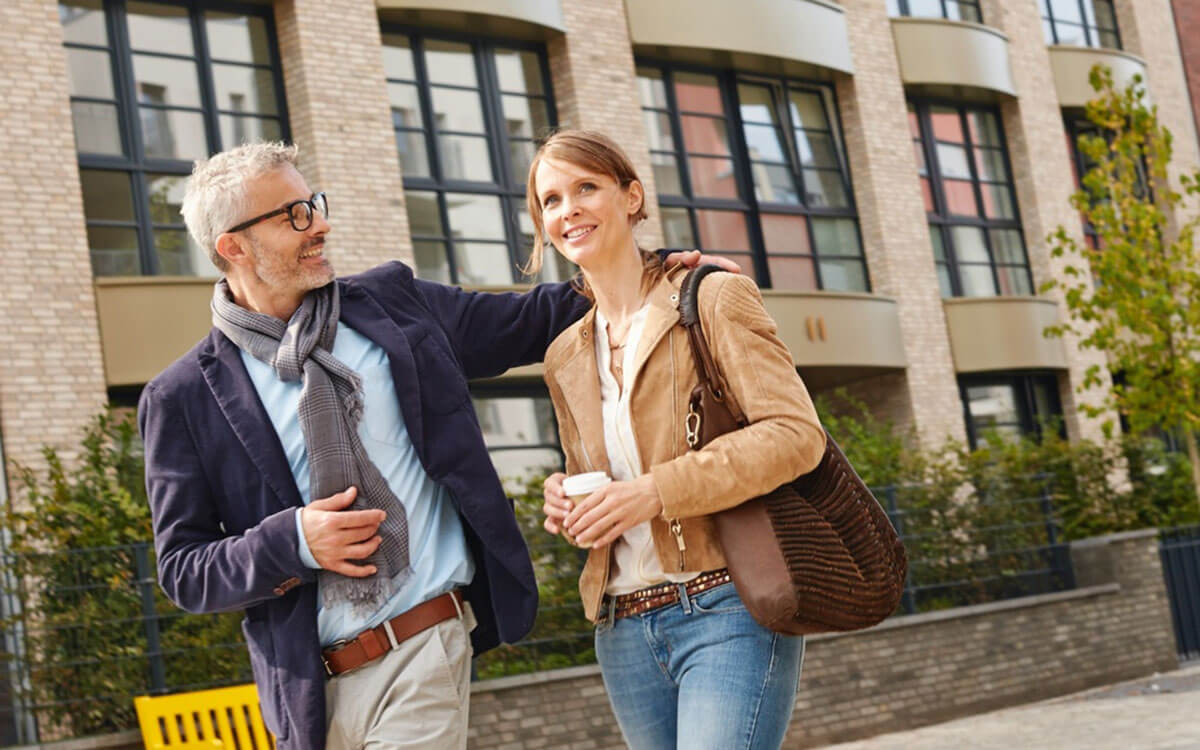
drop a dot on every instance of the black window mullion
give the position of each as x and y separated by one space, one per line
740 155
933 170
681 155
498 146
977 189
208 94
425 97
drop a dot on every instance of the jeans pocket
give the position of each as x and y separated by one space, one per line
720 600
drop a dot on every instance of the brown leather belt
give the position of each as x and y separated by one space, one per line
369 645
644 600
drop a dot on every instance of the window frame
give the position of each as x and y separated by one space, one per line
904 12
1090 32
520 388
940 219
1023 383
511 193
748 203
134 163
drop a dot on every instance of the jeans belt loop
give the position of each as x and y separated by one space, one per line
684 601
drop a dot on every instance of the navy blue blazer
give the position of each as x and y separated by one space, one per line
223 498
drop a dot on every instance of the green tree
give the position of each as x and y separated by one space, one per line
1135 296
75 536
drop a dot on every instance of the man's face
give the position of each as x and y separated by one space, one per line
285 261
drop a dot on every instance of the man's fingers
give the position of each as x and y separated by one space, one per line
355 519
336 501
362 550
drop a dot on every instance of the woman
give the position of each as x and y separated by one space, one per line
684 664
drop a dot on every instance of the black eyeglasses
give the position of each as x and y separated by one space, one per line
299 213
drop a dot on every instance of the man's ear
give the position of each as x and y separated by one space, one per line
233 248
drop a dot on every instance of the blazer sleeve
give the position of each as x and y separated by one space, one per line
783 439
493 332
201 567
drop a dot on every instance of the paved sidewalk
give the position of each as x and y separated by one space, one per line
1156 713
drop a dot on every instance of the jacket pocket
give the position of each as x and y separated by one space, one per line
262 657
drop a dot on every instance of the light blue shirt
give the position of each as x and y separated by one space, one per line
437 547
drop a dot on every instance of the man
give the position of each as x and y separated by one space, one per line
316 462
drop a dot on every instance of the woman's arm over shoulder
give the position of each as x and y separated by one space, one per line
784 438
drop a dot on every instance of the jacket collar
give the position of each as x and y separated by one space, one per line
225 374
576 372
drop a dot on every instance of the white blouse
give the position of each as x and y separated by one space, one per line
635 564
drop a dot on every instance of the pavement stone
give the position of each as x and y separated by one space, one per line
1161 712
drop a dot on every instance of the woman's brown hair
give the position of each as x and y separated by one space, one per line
597 153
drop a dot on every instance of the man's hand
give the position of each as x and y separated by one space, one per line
336 536
603 516
693 258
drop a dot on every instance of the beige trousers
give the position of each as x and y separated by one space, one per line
414 696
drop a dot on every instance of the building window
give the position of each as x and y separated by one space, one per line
955 10
969 199
520 432
155 86
466 113
1013 405
753 168
1085 23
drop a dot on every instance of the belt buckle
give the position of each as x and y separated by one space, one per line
333 648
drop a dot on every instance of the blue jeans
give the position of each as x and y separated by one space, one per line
699 674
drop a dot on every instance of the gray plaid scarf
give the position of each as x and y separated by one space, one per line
331 405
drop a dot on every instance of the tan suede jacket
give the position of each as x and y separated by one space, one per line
783 441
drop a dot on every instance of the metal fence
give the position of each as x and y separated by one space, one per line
1179 549
966 545
86 630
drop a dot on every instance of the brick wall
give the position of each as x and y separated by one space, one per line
1187 26
595 87
51 375
338 109
896 240
910 671
1033 127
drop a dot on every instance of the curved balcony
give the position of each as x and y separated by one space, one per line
952 56
1072 66
146 323
812 32
837 337
547 13
1003 333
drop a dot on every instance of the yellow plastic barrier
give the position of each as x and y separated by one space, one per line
222 718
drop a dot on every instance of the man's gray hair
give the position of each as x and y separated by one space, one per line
216 196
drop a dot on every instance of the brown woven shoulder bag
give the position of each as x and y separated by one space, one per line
817 554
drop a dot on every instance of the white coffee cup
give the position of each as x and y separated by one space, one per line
578 486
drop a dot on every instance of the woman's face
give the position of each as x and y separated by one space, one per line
587 215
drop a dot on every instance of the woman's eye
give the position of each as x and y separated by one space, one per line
586 187
550 201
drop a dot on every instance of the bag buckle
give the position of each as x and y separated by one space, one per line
692 426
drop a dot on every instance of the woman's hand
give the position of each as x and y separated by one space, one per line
603 516
556 504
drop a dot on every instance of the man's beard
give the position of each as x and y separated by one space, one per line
272 272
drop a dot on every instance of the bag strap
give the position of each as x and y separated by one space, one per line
706 366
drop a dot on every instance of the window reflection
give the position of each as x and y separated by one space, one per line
520 434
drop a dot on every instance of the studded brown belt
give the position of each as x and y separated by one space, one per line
644 600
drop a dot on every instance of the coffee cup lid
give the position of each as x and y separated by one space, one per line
584 484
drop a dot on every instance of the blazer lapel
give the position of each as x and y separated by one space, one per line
579 377
226 376
364 314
